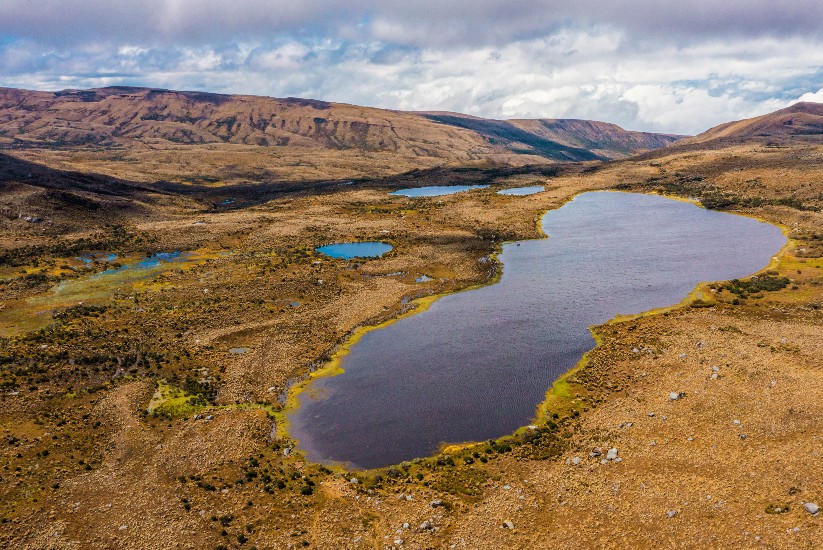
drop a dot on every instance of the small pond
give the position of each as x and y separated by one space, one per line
89 259
522 191
36 311
435 190
476 364
347 251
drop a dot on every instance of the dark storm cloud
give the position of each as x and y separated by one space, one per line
421 23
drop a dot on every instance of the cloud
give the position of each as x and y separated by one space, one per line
642 64
421 23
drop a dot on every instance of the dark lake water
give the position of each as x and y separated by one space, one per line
475 365
347 251
436 190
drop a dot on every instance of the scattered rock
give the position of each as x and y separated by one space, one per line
671 513
597 451
674 396
425 526
743 436
508 524
436 503
576 460
354 481
812 508
777 509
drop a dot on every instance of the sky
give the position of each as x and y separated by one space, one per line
653 65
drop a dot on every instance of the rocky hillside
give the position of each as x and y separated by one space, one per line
801 120
132 117
572 137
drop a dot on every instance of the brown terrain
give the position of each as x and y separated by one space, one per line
127 422
194 137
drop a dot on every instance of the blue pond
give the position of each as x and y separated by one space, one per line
520 191
475 365
89 258
435 190
346 251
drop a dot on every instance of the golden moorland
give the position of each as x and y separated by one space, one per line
140 410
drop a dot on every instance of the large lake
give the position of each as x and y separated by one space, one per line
475 365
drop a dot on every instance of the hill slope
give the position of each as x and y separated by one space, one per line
800 120
296 131
572 137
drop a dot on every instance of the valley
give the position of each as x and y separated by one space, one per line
146 416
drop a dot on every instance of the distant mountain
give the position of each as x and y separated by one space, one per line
801 120
573 138
125 117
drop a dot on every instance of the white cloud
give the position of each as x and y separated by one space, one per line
816 97
597 72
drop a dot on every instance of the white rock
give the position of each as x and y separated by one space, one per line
671 513
674 396
612 454
508 524
576 460
812 508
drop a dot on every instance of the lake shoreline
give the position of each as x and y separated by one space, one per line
558 397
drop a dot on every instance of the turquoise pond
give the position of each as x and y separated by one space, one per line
522 191
88 259
435 190
347 251
476 364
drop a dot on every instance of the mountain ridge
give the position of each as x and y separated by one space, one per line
124 116
800 119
